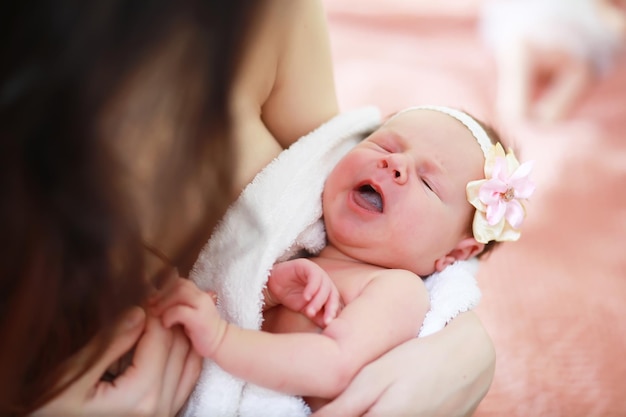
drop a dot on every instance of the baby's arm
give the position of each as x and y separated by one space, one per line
389 311
303 286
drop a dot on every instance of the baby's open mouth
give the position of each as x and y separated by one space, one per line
368 198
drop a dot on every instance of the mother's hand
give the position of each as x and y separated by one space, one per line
445 374
161 377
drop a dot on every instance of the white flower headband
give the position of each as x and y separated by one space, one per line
499 198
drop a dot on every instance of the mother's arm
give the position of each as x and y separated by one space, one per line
447 373
285 87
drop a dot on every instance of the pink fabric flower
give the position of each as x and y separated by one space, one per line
501 193
499 198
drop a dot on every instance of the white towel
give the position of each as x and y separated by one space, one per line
277 215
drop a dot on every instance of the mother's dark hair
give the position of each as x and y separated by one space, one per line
73 257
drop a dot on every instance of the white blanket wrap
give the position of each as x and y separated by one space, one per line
277 215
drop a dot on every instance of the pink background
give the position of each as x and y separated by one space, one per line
555 301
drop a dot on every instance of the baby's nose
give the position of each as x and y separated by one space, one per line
396 164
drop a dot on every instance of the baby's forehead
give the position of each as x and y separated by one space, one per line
427 125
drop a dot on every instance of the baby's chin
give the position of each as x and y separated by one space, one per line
421 269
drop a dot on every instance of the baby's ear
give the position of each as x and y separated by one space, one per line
464 250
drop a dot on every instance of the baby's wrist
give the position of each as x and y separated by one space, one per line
219 336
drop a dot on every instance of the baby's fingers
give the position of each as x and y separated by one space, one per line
183 292
313 285
328 300
318 298
180 314
333 306
193 324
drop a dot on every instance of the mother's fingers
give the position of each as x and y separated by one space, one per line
173 368
149 361
84 394
188 379
362 393
125 336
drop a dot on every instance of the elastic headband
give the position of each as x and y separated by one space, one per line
477 130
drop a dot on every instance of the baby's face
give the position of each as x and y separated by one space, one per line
398 198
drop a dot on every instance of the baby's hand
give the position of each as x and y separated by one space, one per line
302 285
185 304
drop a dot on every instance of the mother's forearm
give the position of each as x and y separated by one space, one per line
472 358
445 374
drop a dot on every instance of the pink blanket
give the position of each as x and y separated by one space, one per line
554 302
